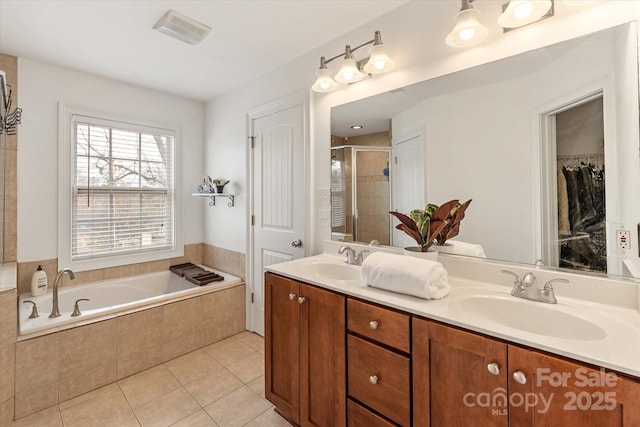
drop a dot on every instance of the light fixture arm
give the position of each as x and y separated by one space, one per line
377 40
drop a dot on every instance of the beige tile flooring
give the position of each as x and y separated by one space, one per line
219 385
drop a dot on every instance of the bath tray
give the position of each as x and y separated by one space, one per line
195 274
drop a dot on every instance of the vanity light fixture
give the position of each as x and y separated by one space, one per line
182 27
352 70
523 12
468 30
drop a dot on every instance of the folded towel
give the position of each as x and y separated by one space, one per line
632 265
462 248
405 274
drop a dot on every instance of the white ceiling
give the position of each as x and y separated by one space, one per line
115 39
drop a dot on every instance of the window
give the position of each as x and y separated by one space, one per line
122 198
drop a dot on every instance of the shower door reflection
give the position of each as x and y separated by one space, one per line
360 193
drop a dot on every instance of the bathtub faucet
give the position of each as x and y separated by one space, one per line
55 310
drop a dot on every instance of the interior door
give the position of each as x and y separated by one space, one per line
278 207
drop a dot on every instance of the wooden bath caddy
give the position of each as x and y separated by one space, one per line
195 274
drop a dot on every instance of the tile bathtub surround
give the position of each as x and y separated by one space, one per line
231 262
192 253
197 389
8 330
61 366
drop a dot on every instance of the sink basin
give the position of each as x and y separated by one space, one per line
534 317
332 271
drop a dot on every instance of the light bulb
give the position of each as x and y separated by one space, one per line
468 30
522 12
349 72
324 81
379 60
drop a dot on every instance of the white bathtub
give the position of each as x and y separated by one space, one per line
111 298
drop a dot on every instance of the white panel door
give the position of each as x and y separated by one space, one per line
407 177
278 198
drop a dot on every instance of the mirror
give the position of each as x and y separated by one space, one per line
492 133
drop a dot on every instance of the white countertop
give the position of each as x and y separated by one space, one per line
619 349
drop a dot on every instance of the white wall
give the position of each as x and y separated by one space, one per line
416 42
42 87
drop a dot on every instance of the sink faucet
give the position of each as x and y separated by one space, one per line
351 257
526 288
55 309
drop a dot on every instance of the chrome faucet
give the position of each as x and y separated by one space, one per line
55 309
351 257
526 288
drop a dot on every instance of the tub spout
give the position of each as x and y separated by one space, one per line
55 310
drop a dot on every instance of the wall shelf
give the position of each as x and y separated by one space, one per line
213 196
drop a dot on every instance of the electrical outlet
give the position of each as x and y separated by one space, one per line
324 217
324 197
622 237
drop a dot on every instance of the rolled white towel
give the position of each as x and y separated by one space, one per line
462 248
405 274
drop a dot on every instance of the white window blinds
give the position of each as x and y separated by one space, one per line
122 188
338 214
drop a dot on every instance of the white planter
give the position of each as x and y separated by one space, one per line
431 254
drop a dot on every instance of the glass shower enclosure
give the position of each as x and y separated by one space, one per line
360 193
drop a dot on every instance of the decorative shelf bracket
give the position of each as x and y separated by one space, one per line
213 196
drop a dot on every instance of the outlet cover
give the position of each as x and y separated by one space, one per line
622 239
324 197
324 217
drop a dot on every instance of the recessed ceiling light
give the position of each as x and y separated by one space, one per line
182 27
356 127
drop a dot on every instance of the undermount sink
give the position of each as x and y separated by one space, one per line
332 271
534 317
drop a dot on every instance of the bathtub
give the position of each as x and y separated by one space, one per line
109 299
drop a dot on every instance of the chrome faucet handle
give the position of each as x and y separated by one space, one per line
547 294
34 309
516 278
76 309
528 280
360 257
350 256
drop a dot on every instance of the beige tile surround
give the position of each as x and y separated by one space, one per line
60 366
199 389
54 368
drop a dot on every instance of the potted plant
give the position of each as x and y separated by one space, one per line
220 183
433 225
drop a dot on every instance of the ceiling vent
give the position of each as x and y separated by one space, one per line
182 27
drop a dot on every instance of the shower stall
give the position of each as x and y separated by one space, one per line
360 193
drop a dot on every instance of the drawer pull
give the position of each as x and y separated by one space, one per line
373 324
520 377
292 296
301 300
373 379
493 368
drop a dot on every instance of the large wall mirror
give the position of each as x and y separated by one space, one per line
545 143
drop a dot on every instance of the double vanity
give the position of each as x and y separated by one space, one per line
339 353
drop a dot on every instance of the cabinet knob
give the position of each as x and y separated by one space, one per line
292 296
520 377
301 300
493 368
373 324
373 379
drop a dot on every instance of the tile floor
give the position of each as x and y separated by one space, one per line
219 385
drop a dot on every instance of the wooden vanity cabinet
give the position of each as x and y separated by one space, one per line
305 367
379 362
460 376
450 372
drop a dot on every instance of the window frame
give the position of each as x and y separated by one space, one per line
66 162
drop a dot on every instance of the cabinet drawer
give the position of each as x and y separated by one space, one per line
357 416
379 378
380 324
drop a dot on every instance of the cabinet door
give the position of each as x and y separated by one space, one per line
631 403
282 367
562 393
322 358
453 384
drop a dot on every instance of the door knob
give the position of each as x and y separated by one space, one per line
292 296
301 300
297 243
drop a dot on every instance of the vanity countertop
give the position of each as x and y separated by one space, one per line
617 346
